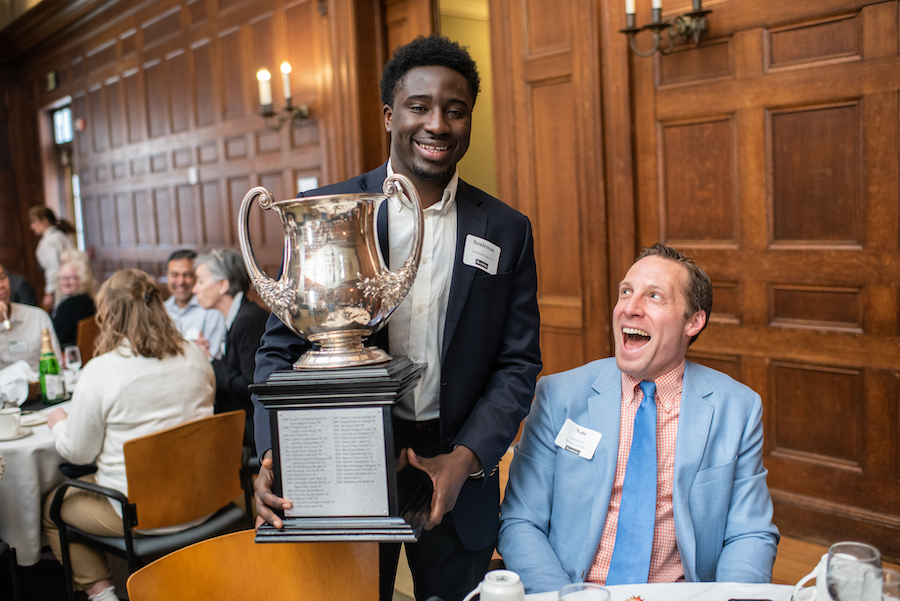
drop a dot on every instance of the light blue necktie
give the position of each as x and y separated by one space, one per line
637 514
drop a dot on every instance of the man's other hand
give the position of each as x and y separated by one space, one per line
448 473
266 500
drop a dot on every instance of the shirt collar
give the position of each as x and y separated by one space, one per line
441 207
668 387
191 303
233 311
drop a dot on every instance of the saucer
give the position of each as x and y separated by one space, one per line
23 432
29 420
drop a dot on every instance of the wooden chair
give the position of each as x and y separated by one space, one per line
234 567
174 476
85 336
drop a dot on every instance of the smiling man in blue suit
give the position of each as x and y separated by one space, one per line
471 315
646 467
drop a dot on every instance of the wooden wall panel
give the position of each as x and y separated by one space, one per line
698 167
117 134
233 79
805 279
181 97
816 178
547 127
204 81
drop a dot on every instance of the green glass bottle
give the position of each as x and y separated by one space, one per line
52 388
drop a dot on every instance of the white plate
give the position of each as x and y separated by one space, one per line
33 419
23 432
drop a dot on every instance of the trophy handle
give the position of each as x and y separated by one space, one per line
273 293
396 284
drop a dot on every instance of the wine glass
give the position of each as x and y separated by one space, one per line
72 357
854 572
584 591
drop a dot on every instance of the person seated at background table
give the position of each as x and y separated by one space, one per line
20 329
646 467
144 378
190 318
22 290
74 295
222 284
54 239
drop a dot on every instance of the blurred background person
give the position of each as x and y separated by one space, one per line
190 318
74 295
22 290
20 329
222 284
144 378
54 239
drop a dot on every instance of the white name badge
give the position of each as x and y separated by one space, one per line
481 254
17 347
578 439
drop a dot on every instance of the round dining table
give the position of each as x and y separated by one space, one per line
32 471
689 591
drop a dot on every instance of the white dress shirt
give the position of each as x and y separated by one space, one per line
192 318
417 325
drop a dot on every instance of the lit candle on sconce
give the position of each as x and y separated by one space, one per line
265 87
286 80
657 10
629 7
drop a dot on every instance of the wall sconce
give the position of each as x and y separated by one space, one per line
689 26
290 113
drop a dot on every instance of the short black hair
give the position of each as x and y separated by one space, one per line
434 50
184 253
698 292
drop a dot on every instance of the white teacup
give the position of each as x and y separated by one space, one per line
9 422
817 592
499 585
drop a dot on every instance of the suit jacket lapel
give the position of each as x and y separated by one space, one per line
694 421
470 219
605 407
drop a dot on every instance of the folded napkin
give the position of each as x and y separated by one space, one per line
14 381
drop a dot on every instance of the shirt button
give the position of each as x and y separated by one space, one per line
420 308
424 261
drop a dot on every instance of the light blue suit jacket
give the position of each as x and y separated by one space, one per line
555 507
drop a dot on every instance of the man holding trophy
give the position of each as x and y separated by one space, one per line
471 315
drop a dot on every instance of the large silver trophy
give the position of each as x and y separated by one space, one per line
333 443
334 290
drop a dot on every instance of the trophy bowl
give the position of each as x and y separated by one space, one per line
334 289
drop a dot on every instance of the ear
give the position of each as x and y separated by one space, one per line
388 114
695 324
223 286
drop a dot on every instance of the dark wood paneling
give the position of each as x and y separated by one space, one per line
820 308
811 269
215 224
145 218
165 216
233 79
99 116
134 106
117 133
698 163
815 171
687 63
157 98
809 429
179 84
204 80
838 37
727 364
162 27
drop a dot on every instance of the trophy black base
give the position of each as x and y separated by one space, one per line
334 456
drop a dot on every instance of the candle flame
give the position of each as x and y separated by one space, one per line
263 75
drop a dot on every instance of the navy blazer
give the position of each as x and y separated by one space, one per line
491 356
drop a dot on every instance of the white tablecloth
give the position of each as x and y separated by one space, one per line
690 591
32 471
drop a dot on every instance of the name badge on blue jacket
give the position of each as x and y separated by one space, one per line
578 439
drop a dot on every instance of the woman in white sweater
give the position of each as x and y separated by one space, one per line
143 378
54 241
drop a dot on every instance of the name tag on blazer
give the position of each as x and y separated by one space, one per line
481 254
578 439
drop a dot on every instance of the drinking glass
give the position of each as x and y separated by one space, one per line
583 591
72 357
854 572
890 590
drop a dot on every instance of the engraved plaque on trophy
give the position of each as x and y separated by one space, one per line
330 416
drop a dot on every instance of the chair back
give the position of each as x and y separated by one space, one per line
186 472
234 567
85 336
